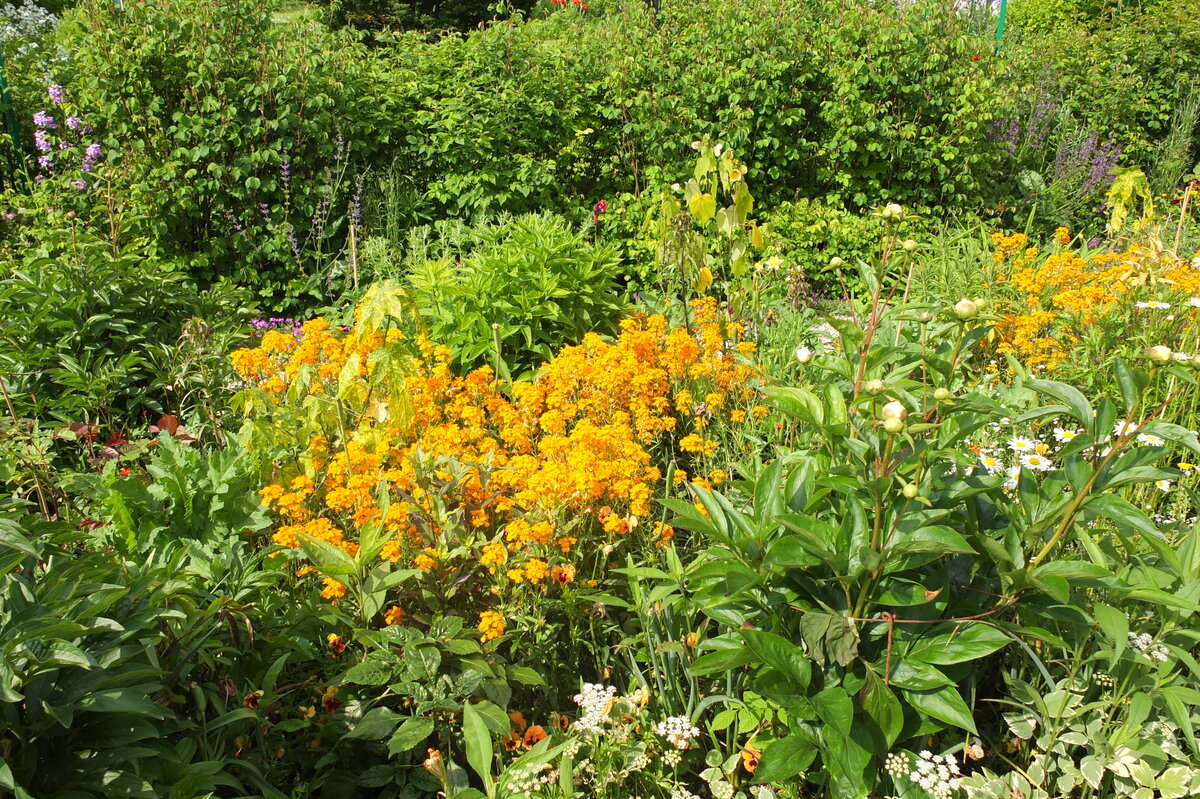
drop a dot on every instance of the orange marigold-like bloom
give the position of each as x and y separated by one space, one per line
491 624
394 616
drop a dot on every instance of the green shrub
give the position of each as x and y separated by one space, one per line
95 329
234 135
808 233
532 286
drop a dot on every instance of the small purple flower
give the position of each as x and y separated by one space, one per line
80 184
44 120
356 202
75 123
41 140
285 170
91 156
57 95
46 163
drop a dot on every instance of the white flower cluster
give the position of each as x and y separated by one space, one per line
1144 643
678 730
897 765
529 782
937 774
25 24
595 700
1103 679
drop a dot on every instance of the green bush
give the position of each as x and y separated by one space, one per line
532 286
808 233
237 137
95 327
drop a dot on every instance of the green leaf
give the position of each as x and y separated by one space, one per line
784 759
779 653
883 707
331 560
1132 383
1115 626
479 744
1070 396
969 642
410 735
376 725
943 704
703 207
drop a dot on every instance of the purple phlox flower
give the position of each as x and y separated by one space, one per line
80 184
75 123
57 95
91 156
46 163
41 140
44 120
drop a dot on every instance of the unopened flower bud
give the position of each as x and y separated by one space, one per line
1159 354
873 386
909 245
941 394
804 354
894 210
893 425
836 262
965 309
910 490
924 316
894 410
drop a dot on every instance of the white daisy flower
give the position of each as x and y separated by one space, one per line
1020 444
1163 485
1154 305
991 464
1122 428
1039 463
1196 262
1064 435
1150 440
1194 302
1013 473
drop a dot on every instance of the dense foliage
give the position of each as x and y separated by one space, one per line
731 400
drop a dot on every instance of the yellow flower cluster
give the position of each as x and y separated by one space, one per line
1054 301
504 478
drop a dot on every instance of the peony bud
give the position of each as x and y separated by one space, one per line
804 354
941 394
924 317
909 245
965 309
894 210
894 410
893 425
910 490
1159 354
836 262
873 386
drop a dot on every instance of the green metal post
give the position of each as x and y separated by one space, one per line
1000 24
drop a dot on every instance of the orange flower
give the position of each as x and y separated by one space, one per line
533 736
562 574
516 717
394 616
750 757
491 624
336 642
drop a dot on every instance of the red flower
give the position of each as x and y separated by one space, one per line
123 472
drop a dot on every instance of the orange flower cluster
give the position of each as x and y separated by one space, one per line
481 474
1056 300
